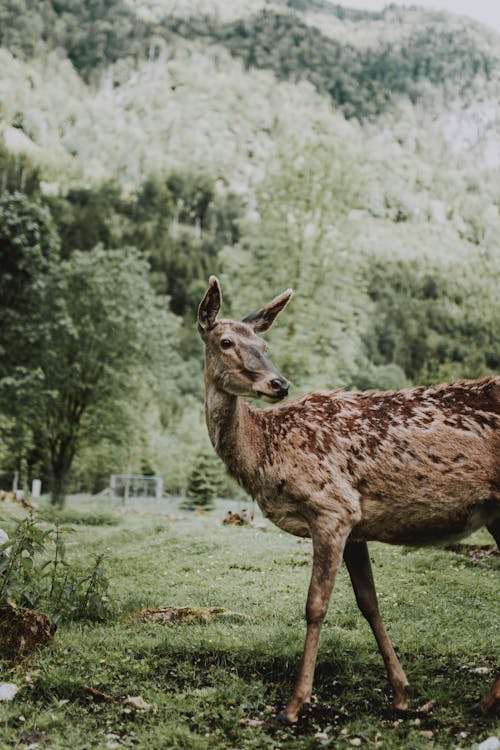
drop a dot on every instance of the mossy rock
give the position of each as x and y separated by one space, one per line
22 631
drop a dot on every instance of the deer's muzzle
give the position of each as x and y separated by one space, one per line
274 390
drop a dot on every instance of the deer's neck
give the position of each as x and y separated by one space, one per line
234 432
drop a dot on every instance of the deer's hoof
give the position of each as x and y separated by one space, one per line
400 701
284 719
475 709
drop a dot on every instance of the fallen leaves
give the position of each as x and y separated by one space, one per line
427 708
130 703
97 695
475 552
34 739
253 723
172 614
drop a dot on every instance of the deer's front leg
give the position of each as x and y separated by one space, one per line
328 546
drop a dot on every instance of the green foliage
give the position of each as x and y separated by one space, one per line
294 241
92 33
29 249
36 574
84 217
112 343
431 324
203 135
18 174
180 224
361 82
204 481
90 336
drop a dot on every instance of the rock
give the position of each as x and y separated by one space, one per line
4 537
7 691
23 630
492 743
137 702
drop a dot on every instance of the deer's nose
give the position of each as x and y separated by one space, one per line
280 386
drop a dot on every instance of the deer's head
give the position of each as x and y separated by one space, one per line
235 354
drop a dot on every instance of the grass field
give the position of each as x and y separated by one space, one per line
219 684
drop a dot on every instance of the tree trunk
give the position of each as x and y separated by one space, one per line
61 459
58 489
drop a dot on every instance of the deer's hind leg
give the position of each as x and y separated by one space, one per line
358 564
494 529
492 698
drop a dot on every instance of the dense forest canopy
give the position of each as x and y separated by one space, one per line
143 146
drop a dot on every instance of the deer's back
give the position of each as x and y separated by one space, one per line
420 464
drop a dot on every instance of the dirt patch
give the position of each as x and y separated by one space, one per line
475 552
23 630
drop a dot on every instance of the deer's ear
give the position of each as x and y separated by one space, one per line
263 318
209 305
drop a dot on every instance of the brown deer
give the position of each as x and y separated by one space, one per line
414 467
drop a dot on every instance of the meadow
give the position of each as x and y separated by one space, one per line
219 684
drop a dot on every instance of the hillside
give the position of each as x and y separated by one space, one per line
351 155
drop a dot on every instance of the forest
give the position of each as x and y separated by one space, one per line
352 156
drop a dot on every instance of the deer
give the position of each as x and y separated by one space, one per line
418 466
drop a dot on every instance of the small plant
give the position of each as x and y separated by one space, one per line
17 566
35 573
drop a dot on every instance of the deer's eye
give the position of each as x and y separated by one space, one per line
226 343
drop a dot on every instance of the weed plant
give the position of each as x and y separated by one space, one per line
35 573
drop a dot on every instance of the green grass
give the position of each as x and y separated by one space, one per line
202 680
72 517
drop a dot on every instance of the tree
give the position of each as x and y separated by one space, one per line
113 340
301 212
434 323
100 336
29 251
204 481
87 216
17 173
